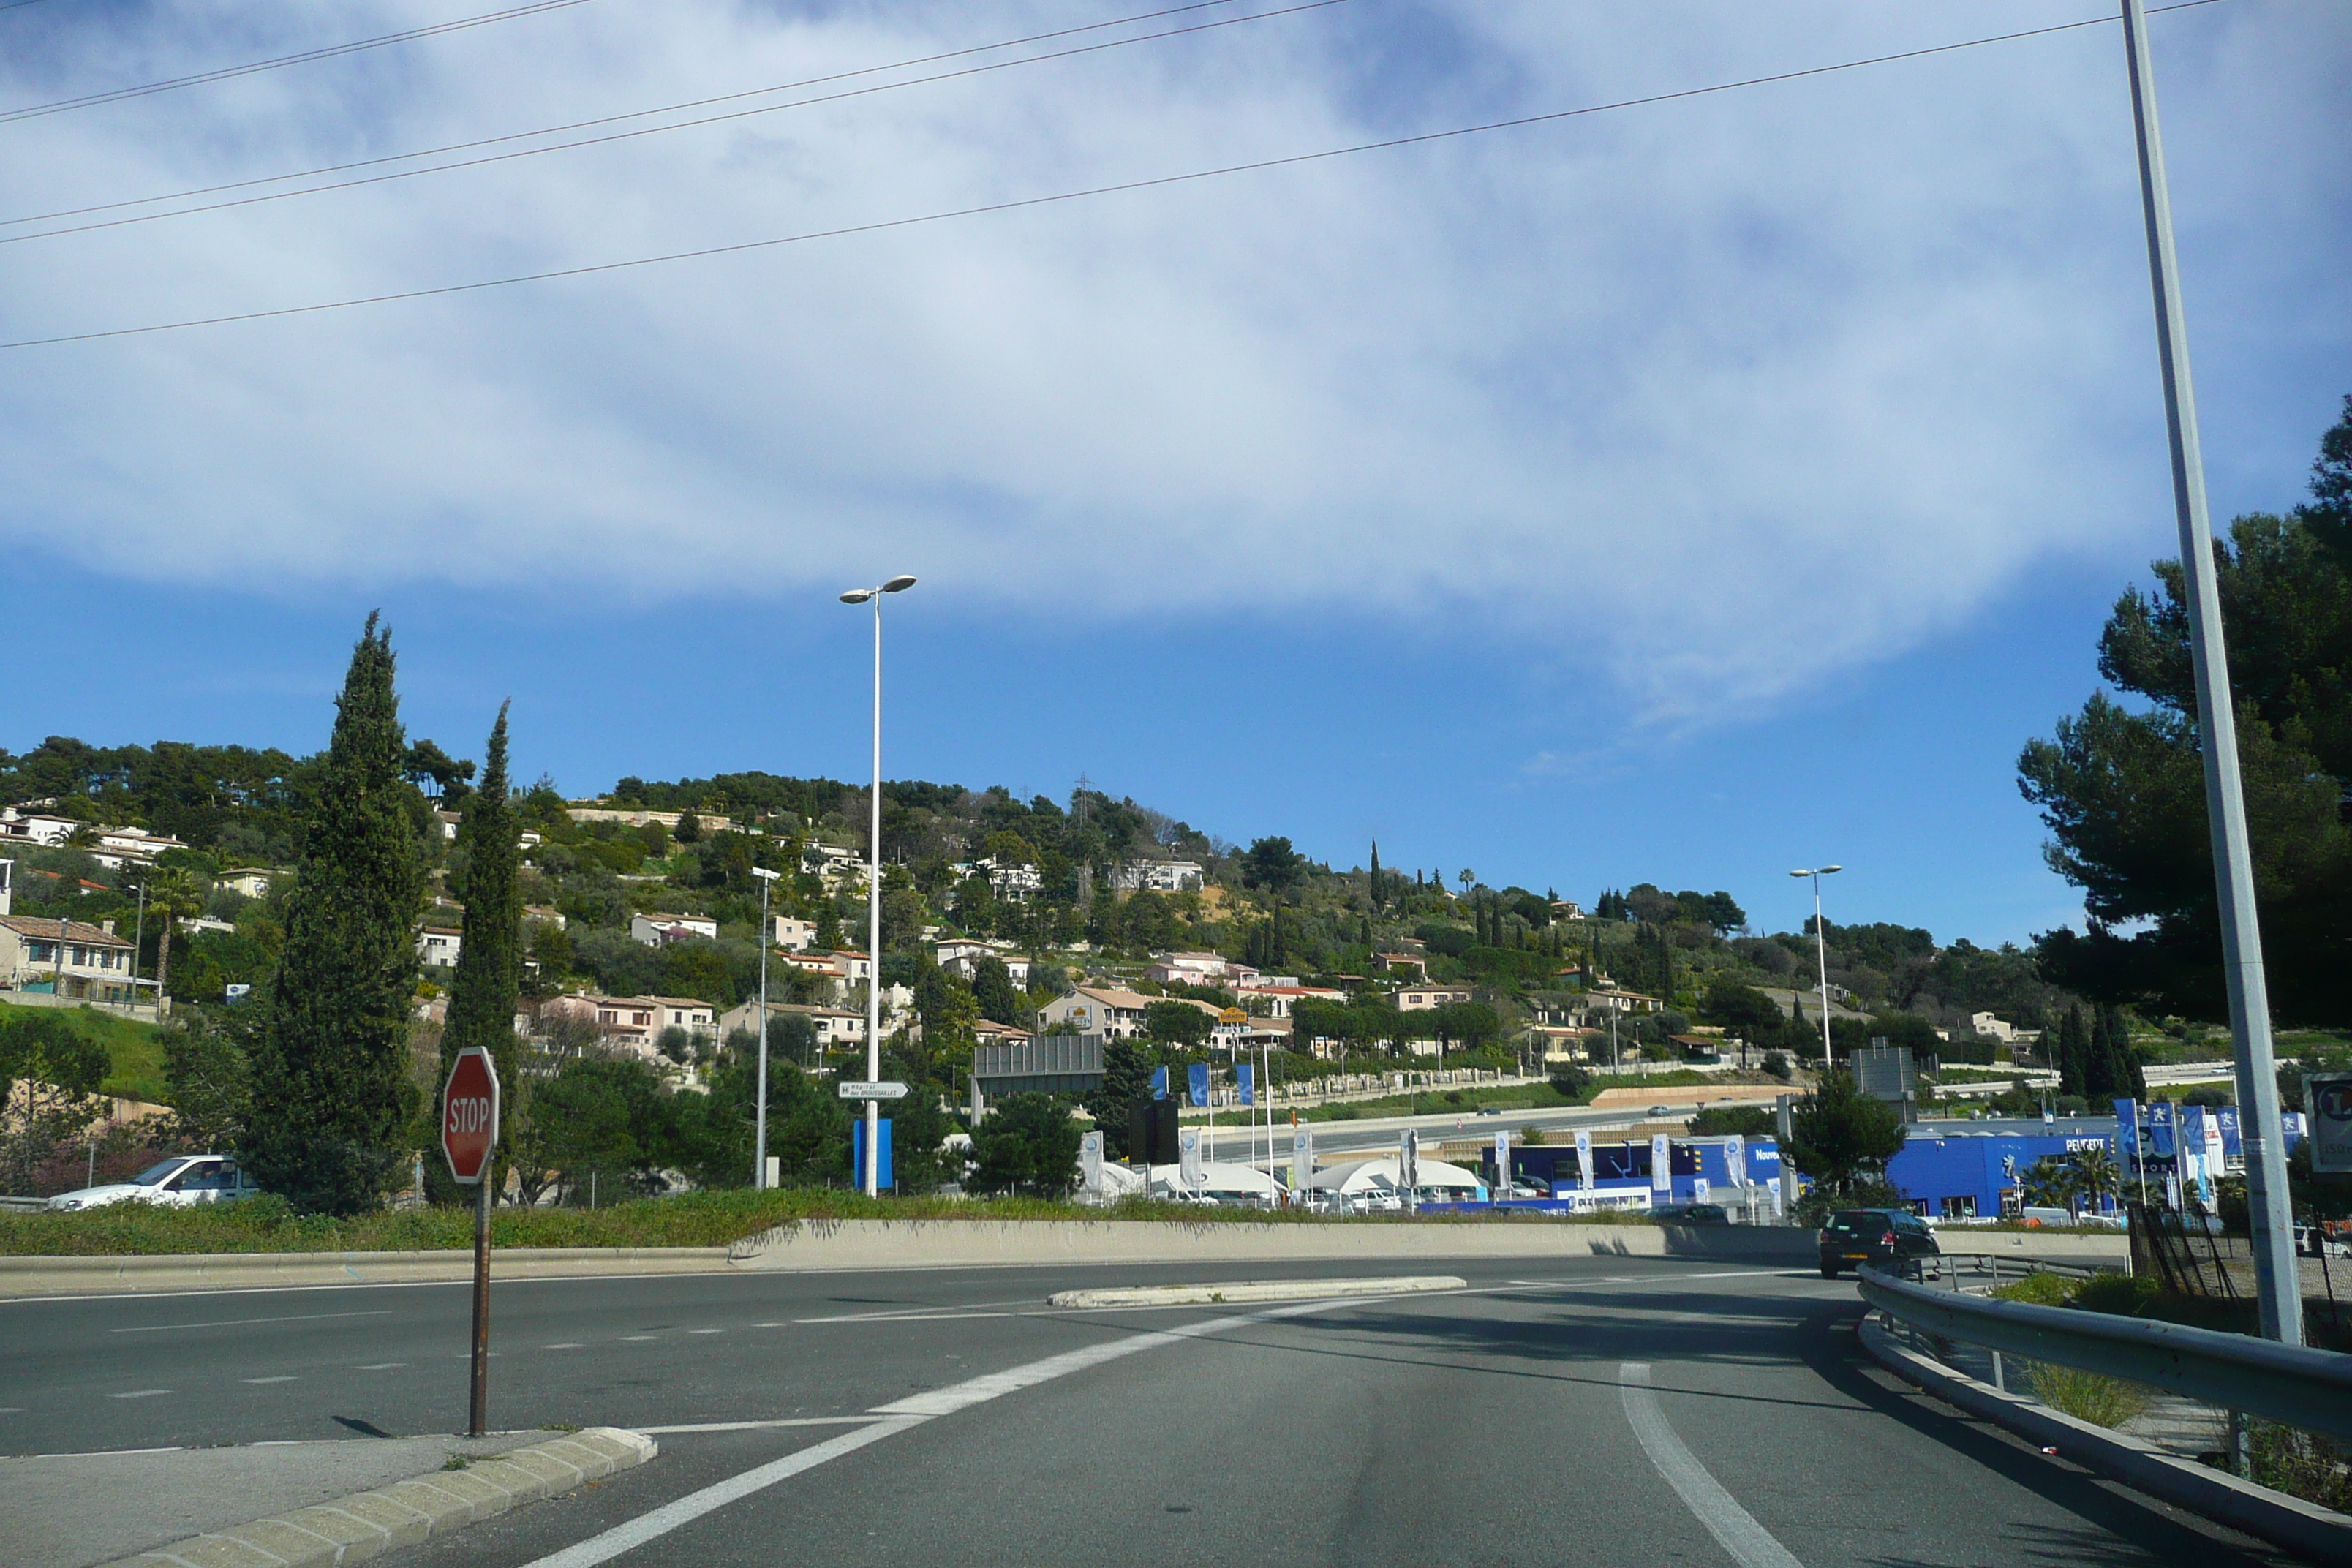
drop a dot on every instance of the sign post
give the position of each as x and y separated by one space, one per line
469 1139
2327 1109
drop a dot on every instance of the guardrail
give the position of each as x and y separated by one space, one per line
2300 1387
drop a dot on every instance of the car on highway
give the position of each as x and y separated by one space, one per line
180 1182
1490 1110
1659 1111
1855 1236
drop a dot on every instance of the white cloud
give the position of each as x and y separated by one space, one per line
1729 394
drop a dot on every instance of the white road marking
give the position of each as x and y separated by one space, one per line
895 1318
694 1505
139 1393
891 1419
1733 1527
628 1337
241 1322
705 1331
12 1410
573 1346
383 1365
761 1425
281 1378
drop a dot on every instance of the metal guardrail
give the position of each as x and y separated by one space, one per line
2307 1388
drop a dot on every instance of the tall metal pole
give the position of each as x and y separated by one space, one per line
2277 1282
478 1404
1822 953
759 1113
873 933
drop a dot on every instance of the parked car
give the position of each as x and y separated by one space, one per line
1855 1236
180 1182
1691 1213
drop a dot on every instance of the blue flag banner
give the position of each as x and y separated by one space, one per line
1245 1080
1199 1075
2159 1130
1159 1083
2127 1128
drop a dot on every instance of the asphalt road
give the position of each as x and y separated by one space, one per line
1582 1411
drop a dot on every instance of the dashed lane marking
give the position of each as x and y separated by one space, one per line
1733 1527
141 1393
283 1377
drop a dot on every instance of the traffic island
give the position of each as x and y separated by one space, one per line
289 1503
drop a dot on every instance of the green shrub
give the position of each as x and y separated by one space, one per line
2301 1464
2040 1289
2086 1396
2123 1295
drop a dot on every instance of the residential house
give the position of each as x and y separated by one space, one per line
253 882
964 957
543 915
1612 999
1989 1027
1012 880
1159 877
40 828
654 930
1567 910
1559 1043
1413 961
791 931
989 1032
636 1023
824 967
630 817
836 867
450 821
837 1029
437 946
65 957
1097 1010
857 968
1189 968
1423 997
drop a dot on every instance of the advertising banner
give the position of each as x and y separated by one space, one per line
1159 1083
1584 1160
1662 1163
1735 1160
1245 1081
1197 1081
1090 1156
1302 1159
2327 1120
1187 1158
2126 1128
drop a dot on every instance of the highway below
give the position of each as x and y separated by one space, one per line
1580 1410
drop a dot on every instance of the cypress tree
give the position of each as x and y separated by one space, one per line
331 1094
482 992
2074 1054
1376 875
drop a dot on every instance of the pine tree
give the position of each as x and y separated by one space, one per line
490 972
2115 1072
1127 1078
1376 876
332 1096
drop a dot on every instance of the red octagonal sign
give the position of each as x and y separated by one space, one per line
469 1114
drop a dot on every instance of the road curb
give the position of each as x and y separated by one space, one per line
1254 1290
2306 1528
366 1524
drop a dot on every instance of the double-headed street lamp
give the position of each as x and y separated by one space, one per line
760 1114
1821 949
898 584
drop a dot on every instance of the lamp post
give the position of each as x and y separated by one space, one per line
898 584
760 1111
1821 949
2278 1298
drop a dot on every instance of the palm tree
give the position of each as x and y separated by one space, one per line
2095 1174
2050 1183
173 893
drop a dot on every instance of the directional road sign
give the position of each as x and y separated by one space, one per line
873 1091
469 1114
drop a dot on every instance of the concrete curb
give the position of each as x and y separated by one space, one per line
815 1247
23 1278
2306 1528
1254 1290
356 1528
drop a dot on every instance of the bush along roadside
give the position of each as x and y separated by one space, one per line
2287 1460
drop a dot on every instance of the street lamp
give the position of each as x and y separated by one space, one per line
1821 949
898 584
760 1114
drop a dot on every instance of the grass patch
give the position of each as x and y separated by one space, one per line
685 1219
2086 1396
135 1050
2039 1290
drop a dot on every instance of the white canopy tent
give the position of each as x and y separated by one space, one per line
1440 1182
1222 1180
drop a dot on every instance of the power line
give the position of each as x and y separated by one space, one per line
35 111
1024 202
645 131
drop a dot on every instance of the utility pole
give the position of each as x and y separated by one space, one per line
759 1113
2278 1284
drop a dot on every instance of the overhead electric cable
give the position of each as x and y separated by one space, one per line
652 130
35 111
1023 203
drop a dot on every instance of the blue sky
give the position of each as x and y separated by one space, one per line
1679 494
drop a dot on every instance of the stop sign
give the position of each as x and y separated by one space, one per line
469 1114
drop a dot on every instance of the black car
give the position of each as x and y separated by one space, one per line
1689 1213
1855 1236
